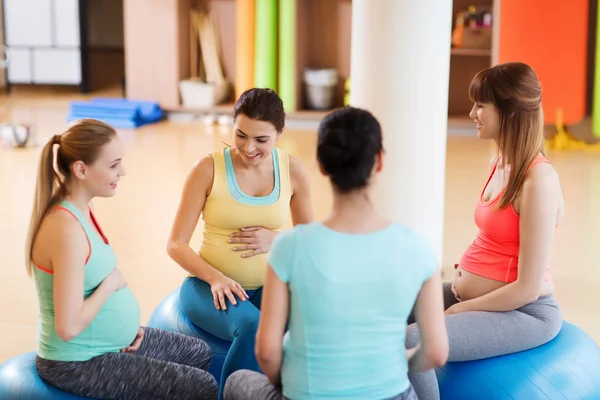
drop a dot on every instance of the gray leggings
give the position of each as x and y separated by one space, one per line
166 366
479 334
249 385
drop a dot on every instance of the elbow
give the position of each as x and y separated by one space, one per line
267 353
528 293
437 353
172 247
531 297
65 332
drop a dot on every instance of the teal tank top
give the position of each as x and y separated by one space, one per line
236 192
117 322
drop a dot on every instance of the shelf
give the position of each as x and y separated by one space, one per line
471 52
227 108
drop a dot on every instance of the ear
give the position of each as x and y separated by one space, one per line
379 161
321 170
79 169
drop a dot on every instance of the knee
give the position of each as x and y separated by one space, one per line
203 351
248 325
552 330
234 386
412 336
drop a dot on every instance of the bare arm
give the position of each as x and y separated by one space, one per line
301 202
271 328
197 187
429 315
68 253
538 208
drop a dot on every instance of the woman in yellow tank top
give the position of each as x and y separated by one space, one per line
245 194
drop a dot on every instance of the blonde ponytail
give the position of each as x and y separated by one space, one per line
47 182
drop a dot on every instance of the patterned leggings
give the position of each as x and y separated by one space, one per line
166 366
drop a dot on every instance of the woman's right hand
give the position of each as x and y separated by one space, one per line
223 286
115 280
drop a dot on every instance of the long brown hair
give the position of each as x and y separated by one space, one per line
515 90
82 141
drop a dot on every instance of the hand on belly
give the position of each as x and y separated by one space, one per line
254 239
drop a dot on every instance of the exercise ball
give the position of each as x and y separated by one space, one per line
19 380
170 317
567 367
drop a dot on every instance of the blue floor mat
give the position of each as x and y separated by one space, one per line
120 113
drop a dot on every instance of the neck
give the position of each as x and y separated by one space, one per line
354 202
79 199
354 213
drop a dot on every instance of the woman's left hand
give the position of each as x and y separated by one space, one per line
255 238
135 345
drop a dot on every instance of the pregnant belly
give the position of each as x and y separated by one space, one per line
470 286
248 272
118 322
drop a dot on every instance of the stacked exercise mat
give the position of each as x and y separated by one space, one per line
266 35
120 113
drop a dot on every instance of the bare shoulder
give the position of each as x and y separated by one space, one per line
202 174
542 189
298 170
298 174
59 231
204 167
542 176
61 225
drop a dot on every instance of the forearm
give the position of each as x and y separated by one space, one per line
419 360
183 255
88 311
507 298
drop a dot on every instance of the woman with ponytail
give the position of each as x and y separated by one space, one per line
90 342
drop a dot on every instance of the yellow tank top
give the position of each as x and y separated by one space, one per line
227 209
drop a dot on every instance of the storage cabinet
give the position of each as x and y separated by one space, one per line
44 38
323 40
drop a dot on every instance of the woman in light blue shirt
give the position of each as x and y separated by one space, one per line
346 286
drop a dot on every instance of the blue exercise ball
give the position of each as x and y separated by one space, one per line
169 316
568 367
19 380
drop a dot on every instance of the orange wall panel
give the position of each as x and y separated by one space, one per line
551 36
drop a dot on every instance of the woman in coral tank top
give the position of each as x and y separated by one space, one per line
501 300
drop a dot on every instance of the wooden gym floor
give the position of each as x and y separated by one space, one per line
158 158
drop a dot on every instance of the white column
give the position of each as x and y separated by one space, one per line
400 64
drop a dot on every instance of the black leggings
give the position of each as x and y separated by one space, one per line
166 366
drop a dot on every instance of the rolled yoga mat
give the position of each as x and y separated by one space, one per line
244 55
265 39
596 98
287 53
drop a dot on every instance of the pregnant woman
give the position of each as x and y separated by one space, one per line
501 300
245 194
90 342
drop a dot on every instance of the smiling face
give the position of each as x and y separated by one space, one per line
254 139
100 177
487 118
